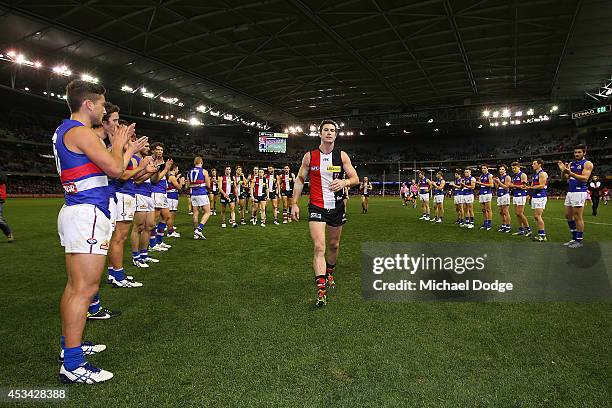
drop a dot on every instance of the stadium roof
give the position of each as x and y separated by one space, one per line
291 60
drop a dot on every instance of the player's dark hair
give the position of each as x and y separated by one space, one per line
539 161
156 145
79 91
580 146
513 164
484 165
502 166
458 171
124 122
327 122
110 108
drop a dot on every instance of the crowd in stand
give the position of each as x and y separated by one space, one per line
26 142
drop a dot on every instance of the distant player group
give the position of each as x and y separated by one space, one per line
237 192
510 188
114 181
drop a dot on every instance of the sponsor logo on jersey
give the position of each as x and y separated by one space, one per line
334 169
70 188
92 241
314 168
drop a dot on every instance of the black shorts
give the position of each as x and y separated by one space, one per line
272 195
244 195
232 199
287 193
366 195
215 193
334 218
261 198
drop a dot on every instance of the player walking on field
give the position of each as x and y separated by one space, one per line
324 167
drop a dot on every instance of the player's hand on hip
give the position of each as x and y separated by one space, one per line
295 212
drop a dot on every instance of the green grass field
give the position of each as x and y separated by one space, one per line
230 322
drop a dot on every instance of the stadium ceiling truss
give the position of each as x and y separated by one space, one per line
297 60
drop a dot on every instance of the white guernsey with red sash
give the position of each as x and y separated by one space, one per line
324 168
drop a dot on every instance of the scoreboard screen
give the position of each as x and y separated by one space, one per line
270 142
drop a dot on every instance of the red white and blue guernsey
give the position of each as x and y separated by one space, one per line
83 223
538 192
82 180
424 186
199 192
324 168
172 192
517 185
575 186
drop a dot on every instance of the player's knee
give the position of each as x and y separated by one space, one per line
334 245
319 248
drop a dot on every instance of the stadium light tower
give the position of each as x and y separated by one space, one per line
486 113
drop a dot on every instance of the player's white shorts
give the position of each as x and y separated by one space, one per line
199 200
438 198
112 207
424 197
575 198
468 199
126 206
521 200
458 199
485 198
160 200
83 229
503 200
538 202
144 203
173 204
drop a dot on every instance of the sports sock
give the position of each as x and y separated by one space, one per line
200 227
320 282
144 254
152 239
572 225
541 232
119 274
135 255
579 235
73 356
161 228
329 268
94 306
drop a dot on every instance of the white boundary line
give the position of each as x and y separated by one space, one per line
586 222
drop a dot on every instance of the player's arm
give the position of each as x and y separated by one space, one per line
278 185
442 184
207 179
298 186
586 172
489 182
165 169
524 181
351 175
110 162
472 184
175 182
235 187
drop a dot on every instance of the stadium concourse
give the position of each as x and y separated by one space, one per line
218 197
